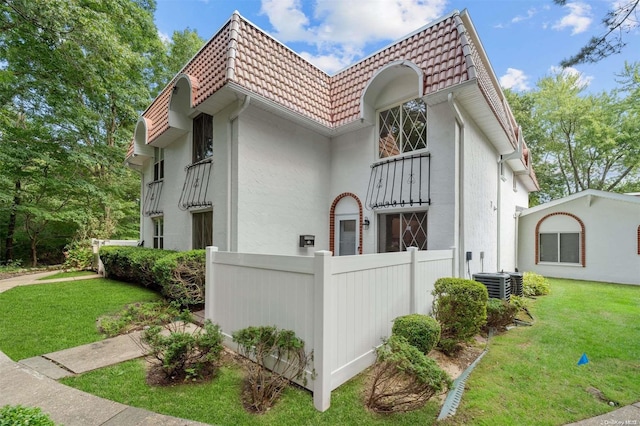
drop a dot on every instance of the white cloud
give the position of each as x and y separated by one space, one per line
530 14
287 17
339 30
582 79
578 19
515 79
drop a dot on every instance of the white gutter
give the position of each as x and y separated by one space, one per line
516 215
232 117
458 214
516 154
498 213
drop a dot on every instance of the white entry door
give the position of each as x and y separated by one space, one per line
346 235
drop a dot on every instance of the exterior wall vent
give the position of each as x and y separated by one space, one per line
498 284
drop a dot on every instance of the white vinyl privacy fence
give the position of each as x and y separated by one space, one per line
340 306
96 244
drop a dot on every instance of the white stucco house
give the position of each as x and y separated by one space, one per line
591 235
253 149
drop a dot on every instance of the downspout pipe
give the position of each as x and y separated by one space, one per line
459 209
230 137
516 154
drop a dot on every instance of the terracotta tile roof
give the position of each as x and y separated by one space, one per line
242 54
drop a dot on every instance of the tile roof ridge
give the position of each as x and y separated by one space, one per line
184 67
266 34
232 46
466 46
426 26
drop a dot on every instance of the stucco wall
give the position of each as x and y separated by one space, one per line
611 251
283 185
351 158
480 200
511 202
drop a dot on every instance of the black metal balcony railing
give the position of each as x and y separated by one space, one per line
152 199
196 185
400 182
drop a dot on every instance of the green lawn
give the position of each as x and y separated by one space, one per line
218 402
530 375
40 319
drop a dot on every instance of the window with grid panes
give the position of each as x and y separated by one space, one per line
158 233
402 128
398 231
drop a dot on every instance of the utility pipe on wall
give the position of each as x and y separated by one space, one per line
459 209
232 117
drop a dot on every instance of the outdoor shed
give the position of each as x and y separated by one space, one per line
591 235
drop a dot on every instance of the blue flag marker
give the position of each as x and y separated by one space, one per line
583 359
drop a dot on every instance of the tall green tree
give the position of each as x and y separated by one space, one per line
79 74
74 77
176 52
581 141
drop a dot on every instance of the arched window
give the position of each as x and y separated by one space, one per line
560 238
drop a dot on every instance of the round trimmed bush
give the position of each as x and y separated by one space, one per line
460 306
534 284
421 331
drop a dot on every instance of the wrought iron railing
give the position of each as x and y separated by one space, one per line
400 182
196 185
152 205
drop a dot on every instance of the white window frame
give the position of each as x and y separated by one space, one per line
158 164
400 143
158 232
558 258
403 216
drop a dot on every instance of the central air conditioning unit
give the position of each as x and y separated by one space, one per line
498 284
517 286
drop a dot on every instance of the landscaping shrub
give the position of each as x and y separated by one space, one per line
282 351
78 255
421 331
500 313
17 415
534 284
404 378
137 316
132 264
181 276
183 355
460 306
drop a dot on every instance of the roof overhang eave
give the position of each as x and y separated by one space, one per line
231 92
469 96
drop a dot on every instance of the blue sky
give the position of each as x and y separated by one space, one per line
524 39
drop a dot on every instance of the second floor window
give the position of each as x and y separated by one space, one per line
202 137
158 163
402 128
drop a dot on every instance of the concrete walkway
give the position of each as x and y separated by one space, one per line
32 382
30 385
31 279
